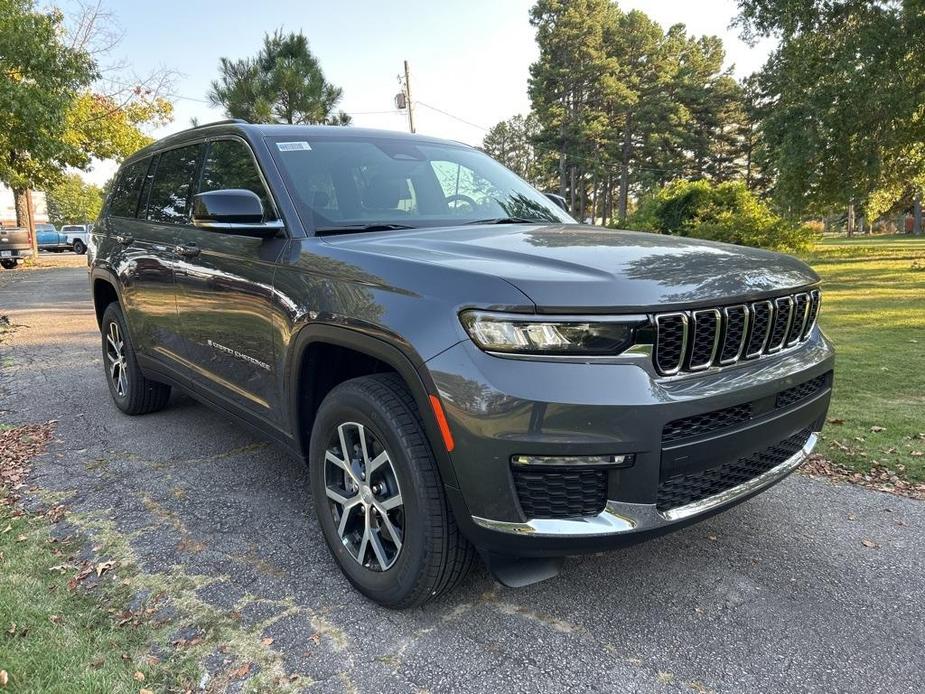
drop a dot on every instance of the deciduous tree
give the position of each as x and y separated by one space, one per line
73 201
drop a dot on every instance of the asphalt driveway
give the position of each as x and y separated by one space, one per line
780 594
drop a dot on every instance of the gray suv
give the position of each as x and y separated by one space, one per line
465 368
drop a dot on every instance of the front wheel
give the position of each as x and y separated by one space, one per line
8 264
378 495
130 390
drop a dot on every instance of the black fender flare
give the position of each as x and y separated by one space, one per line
107 275
411 370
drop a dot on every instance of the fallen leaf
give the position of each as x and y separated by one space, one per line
7 529
267 641
4 678
877 429
54 619
98 661
139 676
917 454
145 691
852 517
836 421
242 672
12 630
869 543
103 567
711 537
21 538
315 638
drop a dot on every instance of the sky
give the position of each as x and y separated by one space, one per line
469 59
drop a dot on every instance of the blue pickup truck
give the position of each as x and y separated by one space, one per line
48 238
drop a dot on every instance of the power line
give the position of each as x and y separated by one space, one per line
446 113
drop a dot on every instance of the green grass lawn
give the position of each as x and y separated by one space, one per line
873 309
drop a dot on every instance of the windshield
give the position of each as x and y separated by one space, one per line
341 182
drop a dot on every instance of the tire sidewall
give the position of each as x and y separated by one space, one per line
79 247
113 314
349 404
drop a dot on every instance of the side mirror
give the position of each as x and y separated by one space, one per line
558 199
233 211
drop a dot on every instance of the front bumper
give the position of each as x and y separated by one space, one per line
498 408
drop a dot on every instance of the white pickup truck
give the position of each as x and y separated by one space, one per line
77 236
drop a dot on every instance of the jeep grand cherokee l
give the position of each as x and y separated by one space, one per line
464 367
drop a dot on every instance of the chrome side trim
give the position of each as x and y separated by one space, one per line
620 517
718 317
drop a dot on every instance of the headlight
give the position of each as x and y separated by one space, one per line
495 332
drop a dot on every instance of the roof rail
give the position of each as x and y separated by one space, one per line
222 122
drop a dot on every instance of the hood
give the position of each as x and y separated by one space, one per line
574 268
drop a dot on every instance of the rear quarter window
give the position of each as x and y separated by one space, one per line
124 201
169 200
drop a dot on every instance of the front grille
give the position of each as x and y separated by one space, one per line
684 489
788 397
561 493
696 340
700 424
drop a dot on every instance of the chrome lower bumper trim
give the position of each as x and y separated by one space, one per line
619 517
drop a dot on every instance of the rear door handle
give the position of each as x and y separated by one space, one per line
124 240
188 250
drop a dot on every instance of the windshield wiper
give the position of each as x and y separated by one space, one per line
506 220
350 228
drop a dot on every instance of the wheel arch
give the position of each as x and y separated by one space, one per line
300 367
105 290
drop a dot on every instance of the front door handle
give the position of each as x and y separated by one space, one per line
188 250
124 240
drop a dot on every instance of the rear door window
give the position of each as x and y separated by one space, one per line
124 201
229 164
172 188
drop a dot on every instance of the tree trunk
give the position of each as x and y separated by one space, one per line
571 190
850 228
917 214
625 169
25 217
562 160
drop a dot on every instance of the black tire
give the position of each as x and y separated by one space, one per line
135 394
433 556
8 264
79 247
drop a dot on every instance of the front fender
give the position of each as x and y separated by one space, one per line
404 360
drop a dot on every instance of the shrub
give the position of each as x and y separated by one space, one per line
726 212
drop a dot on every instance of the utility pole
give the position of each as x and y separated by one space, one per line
408 97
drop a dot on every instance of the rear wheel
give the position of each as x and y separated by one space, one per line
8 264
378 495
130 390
79 247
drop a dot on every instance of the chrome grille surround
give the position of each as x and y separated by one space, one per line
706 326
695 340
783 314
674 327
761 314
735 320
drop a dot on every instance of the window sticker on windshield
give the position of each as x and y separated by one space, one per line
293 146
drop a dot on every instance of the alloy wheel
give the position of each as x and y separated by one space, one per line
115 353
364 497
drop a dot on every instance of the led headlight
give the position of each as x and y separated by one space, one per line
497 332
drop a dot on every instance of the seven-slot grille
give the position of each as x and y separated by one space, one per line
697 340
